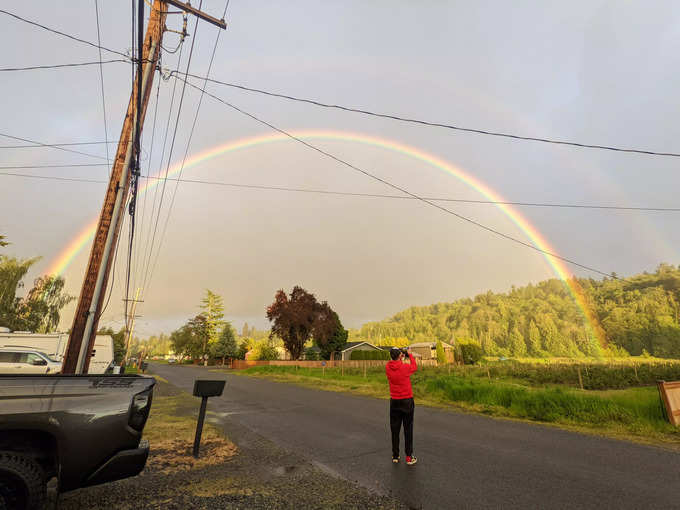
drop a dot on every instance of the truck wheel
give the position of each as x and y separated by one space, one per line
22 482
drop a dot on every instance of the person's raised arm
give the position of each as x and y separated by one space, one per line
414 365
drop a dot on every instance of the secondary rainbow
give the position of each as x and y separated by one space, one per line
84 237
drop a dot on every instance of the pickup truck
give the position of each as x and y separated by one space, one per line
82 429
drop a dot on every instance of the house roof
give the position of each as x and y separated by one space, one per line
352 345
430 344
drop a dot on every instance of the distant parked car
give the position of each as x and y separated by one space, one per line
18 360
172 360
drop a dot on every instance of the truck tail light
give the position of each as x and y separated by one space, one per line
139 409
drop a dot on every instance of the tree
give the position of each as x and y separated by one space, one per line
225 347
118 342
267 352
329 334
441 355
191 340
43 304
213 312
12 272
517 344
534 339
293 319
245 332
2 241
38 311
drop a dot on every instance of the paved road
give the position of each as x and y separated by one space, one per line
465 461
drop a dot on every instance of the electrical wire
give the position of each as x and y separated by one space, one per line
174 135
59 66
101 79
259 187
59 32
399 188
153 225
186 151
54 144
435 124
148 172
59 147
27 167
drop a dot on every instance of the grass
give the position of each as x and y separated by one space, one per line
170 429
631 413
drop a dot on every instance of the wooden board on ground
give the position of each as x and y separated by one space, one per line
670 394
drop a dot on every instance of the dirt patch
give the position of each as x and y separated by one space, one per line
174 455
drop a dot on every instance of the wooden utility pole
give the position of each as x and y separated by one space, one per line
132 327
86 319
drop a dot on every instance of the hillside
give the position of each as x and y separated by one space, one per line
638 315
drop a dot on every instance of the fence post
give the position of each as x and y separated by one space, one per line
364 370
580 381
487 373
342 368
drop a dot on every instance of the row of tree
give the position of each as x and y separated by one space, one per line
298 320
636 315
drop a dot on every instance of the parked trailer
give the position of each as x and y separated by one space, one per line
54 345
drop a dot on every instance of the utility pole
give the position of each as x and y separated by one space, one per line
86 319
132 327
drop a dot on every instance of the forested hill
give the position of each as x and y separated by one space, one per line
639 315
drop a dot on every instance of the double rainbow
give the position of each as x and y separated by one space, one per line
85 236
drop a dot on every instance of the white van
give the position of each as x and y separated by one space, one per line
54 346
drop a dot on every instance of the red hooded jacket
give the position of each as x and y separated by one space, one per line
399 376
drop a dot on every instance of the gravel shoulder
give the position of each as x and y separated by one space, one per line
237 469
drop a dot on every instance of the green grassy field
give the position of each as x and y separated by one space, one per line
632 413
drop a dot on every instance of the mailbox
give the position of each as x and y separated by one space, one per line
208 388
204 388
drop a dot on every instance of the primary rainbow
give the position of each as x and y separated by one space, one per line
62 261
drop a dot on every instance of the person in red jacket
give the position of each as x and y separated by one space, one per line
401 402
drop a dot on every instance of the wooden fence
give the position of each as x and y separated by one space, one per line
241 364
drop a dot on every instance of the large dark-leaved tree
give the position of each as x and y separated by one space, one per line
293 319
329 334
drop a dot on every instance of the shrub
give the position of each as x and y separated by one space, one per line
369 355
471 353
311 354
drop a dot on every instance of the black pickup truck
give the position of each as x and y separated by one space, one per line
82 429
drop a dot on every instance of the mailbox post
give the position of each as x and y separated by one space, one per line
205 388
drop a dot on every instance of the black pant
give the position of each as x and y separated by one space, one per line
401 411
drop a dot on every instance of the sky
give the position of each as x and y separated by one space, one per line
595 72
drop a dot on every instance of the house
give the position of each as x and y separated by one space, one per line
282 353
346 353
388 348
428 350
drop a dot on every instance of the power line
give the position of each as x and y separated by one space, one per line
49 145
191 134
63 34
259 187
174 136
27 167
59 66
101 78
399 188
153 225
59 147
431 123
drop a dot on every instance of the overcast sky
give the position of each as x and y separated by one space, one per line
594 72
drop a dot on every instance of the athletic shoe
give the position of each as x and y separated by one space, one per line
395 460
410 460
